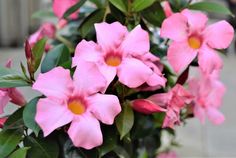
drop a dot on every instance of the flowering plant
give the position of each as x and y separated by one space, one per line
114 78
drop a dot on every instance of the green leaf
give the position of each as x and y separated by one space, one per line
15 120
125 120
120 4
29 116
98 3
210 7
74 8
55 57
121 152
41 147
88 23
43 14
11 78
38 51
9 139
20 153
139 5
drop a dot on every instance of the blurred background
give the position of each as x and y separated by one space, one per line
197 141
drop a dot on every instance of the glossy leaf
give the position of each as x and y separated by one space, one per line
210 7
120 4
55 57
29 116
20 153
139 5
125 120
74 8
38 51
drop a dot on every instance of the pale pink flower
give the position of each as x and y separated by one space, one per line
191 38
121 53
10 94
170 154
61 6
208 92
167 9
173 101
2 121
76 101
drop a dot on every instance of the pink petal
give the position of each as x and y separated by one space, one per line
9 63
167 9
110 41
2 121
179 31
199 112
136 42
215 116
219 35
180 55
161 99
48 29
16 97
88 51
133 73
50 115
171 119
4 99
108 72
85 132
61 6
88 79
146 106
209 60
197 21
104 107
55 83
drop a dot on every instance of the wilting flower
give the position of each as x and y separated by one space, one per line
76 101
191 37
170 154
167 9
120 53
208 92
10 94
2 121
46 30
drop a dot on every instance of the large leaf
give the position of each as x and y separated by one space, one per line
74 8
11 78
20 153
15 120
29 116
125 120
88 23
120 4
41 147
9 139
139 5
55 57
38 51
210 7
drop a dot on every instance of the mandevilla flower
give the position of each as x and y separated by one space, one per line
208 92
76 101
191 37
121 53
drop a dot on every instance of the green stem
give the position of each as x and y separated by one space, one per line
66 42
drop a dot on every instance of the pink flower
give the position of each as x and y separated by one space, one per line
208 92
10 94
173 101
46 30
167 9
170 154
192 38
76 101
121 53
2 121
61 6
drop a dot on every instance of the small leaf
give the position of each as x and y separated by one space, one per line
29 116
125 120
210 7
120 4
20 153
74 8
55 57
89 22
11 78
9 139
139 5
43 14
38 51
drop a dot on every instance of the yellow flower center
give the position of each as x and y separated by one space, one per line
194 42
113 60
77 107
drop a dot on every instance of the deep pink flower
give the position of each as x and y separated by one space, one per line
208 92
173 101
121 53
61 6
170 154
167 9
191 37
76 101
2 121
